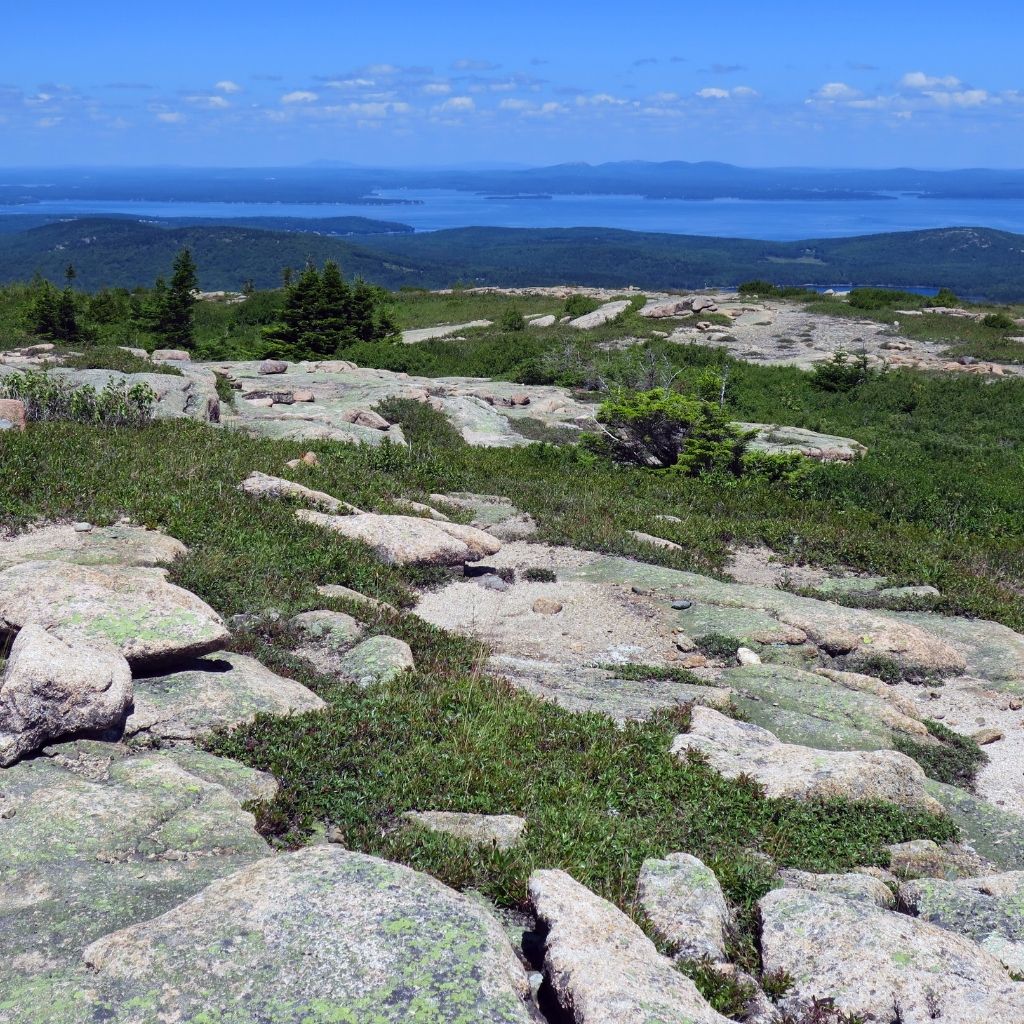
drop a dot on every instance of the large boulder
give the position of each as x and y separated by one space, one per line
601 966
326 637
262 485
220 691
51 689
303 938
121 544
686 906
803 773
409 540
601 316
879 965
148 619
989 910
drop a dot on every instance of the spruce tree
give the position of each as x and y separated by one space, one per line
177 319
301 312
334 327
43 318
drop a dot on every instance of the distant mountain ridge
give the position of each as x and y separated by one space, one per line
122 252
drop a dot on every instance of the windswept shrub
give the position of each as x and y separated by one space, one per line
512 320
47 397
999 321
579 305
841 373
662 429
768 290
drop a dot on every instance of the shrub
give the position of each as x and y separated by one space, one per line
536 575
955 760
665 430
840 373
512 320
580 305
885 298
53 398
769 290
999 321
113 357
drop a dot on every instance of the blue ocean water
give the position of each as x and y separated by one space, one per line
435 209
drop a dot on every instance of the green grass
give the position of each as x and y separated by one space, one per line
416 308
110 357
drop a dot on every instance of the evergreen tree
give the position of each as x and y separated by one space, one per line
334 328
177 322
68 328
300 316
43 318
364 311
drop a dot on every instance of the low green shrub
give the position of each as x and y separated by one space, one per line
579 305
955 760
537 575
113 357
840 373
512 320
47 397
999 321
661 429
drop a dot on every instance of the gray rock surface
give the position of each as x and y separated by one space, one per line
604 314
601 966
326 637
133 608
219 691
779 440
501 831
875 963
686 906
803 773
491 513
989 910
380 659
304 938
105 545
850 886
409 540
51 690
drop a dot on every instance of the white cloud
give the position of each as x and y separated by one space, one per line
919 80
299 96
228 86
458 104
170 117
713 94
437 88
49 122
210 102
351 83
601 99
837 91
665 97
965 98
515 105
744 92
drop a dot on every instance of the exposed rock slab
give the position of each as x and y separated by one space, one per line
501 831
815 711
686 906
318 935
93 839
989 910
871 961
601 316
51 690
601 966
326 637
102 545
850 886
803 773
133 608
779 440
409 540
220 691
492 513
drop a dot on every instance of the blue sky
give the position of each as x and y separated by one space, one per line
448 83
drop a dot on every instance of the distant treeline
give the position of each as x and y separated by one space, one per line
110 252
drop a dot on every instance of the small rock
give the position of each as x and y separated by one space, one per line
171 355
692 661
985 736
745 656
303 396
365 418
261 403
272 366
546 606
681 606
658 542
83 527
381 659
501 831
12 413
494 582
338 592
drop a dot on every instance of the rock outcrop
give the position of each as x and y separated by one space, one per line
500 831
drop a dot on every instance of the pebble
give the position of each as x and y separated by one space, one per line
681 606
989 735
745 656
545 606
493 582
83 527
